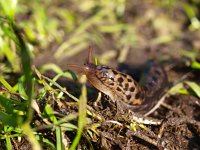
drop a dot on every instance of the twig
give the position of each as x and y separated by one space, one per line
143 137
157 105
162 99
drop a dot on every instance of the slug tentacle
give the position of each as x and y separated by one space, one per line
82 69
89 59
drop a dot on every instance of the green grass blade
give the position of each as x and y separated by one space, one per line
195 87
7 119
26 65
6 84
9 7
195 65
8 143
59 144
31 137
82 117
49 111
7 104
49 143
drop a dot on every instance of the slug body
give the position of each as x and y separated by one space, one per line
123 88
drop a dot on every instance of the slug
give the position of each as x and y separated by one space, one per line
122 88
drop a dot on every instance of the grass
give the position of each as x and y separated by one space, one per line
71 29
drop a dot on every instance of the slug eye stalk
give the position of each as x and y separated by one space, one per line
86 67
89 58
80 68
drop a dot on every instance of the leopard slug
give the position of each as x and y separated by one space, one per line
122 87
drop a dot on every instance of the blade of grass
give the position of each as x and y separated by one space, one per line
82 117
40 76
49 111
195 65
11 56
62 74
68 127
27 130
48 142
26 65
9 7
7 104
59 144
7 119
8 143
6 84
195 87
51 66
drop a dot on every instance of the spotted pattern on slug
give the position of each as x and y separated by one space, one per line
124 87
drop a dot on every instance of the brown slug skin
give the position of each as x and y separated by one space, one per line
123 88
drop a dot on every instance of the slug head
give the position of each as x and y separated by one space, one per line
87 68
92 73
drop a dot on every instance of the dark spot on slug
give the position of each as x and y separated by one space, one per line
138 95
120 84
120 80
111 79
128 97
118 89
129 80
126 87
115 72
124 75
145 88
154 78
132 89
111 84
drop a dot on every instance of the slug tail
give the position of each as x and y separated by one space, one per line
154 82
